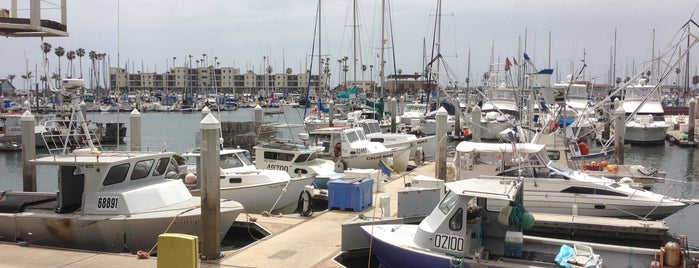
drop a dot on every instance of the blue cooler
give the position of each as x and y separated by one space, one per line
352 194
513 244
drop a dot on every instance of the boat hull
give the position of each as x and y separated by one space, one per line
275 197
654 133
109 233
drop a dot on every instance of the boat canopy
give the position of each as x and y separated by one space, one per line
476 147
504 189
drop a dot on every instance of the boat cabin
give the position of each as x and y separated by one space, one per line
106 183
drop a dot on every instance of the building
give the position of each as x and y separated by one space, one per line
223 80
6 88
411 84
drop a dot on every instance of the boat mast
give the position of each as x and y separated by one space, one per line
320 57
383 42
354 40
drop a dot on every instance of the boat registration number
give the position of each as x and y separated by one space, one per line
107 202
449 242
278 167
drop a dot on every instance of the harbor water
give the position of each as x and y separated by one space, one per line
177 132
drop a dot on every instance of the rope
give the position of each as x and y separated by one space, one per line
145 255
456 262
280 195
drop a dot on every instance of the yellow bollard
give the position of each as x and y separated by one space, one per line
178 250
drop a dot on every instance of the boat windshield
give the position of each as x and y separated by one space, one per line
230 161
560 169
448 202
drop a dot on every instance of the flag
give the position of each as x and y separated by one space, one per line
507 64
515 60
385 167
526 57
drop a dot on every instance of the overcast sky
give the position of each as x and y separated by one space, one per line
242 33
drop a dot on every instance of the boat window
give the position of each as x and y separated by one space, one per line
361 135
352 136
285 157
116 174
457 220
302 158
245 157
448 202
230 161
587 190
554 155
376 140
161 168
141 169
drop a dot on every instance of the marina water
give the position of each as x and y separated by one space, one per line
177 132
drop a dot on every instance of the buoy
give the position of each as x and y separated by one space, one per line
575 209
190 179
504 216
603 164
584 150
672 254
527 220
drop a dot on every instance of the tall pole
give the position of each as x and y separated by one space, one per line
210 195
383 42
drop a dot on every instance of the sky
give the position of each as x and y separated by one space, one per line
147 35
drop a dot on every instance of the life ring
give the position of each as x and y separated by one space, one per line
337 150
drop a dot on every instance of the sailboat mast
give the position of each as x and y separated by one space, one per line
320 57
354 40
383 42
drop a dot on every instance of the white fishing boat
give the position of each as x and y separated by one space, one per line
645 121
11 129
107 201
351 147
554 188
413 113
499 106
421 148
468 228
297 159
258 190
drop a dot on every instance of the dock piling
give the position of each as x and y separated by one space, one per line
441 136
135 129
210 195
619 132
28 151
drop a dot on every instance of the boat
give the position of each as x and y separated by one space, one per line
413 114
297 159
645 122
258 190
465 229
499 106
353 149
554 188
11 129
107 201
421 148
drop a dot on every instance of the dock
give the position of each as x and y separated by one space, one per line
295 241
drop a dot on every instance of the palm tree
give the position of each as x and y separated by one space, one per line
27 79
80 52
93 57
70 56
56 79
43 80
60 51
46 48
